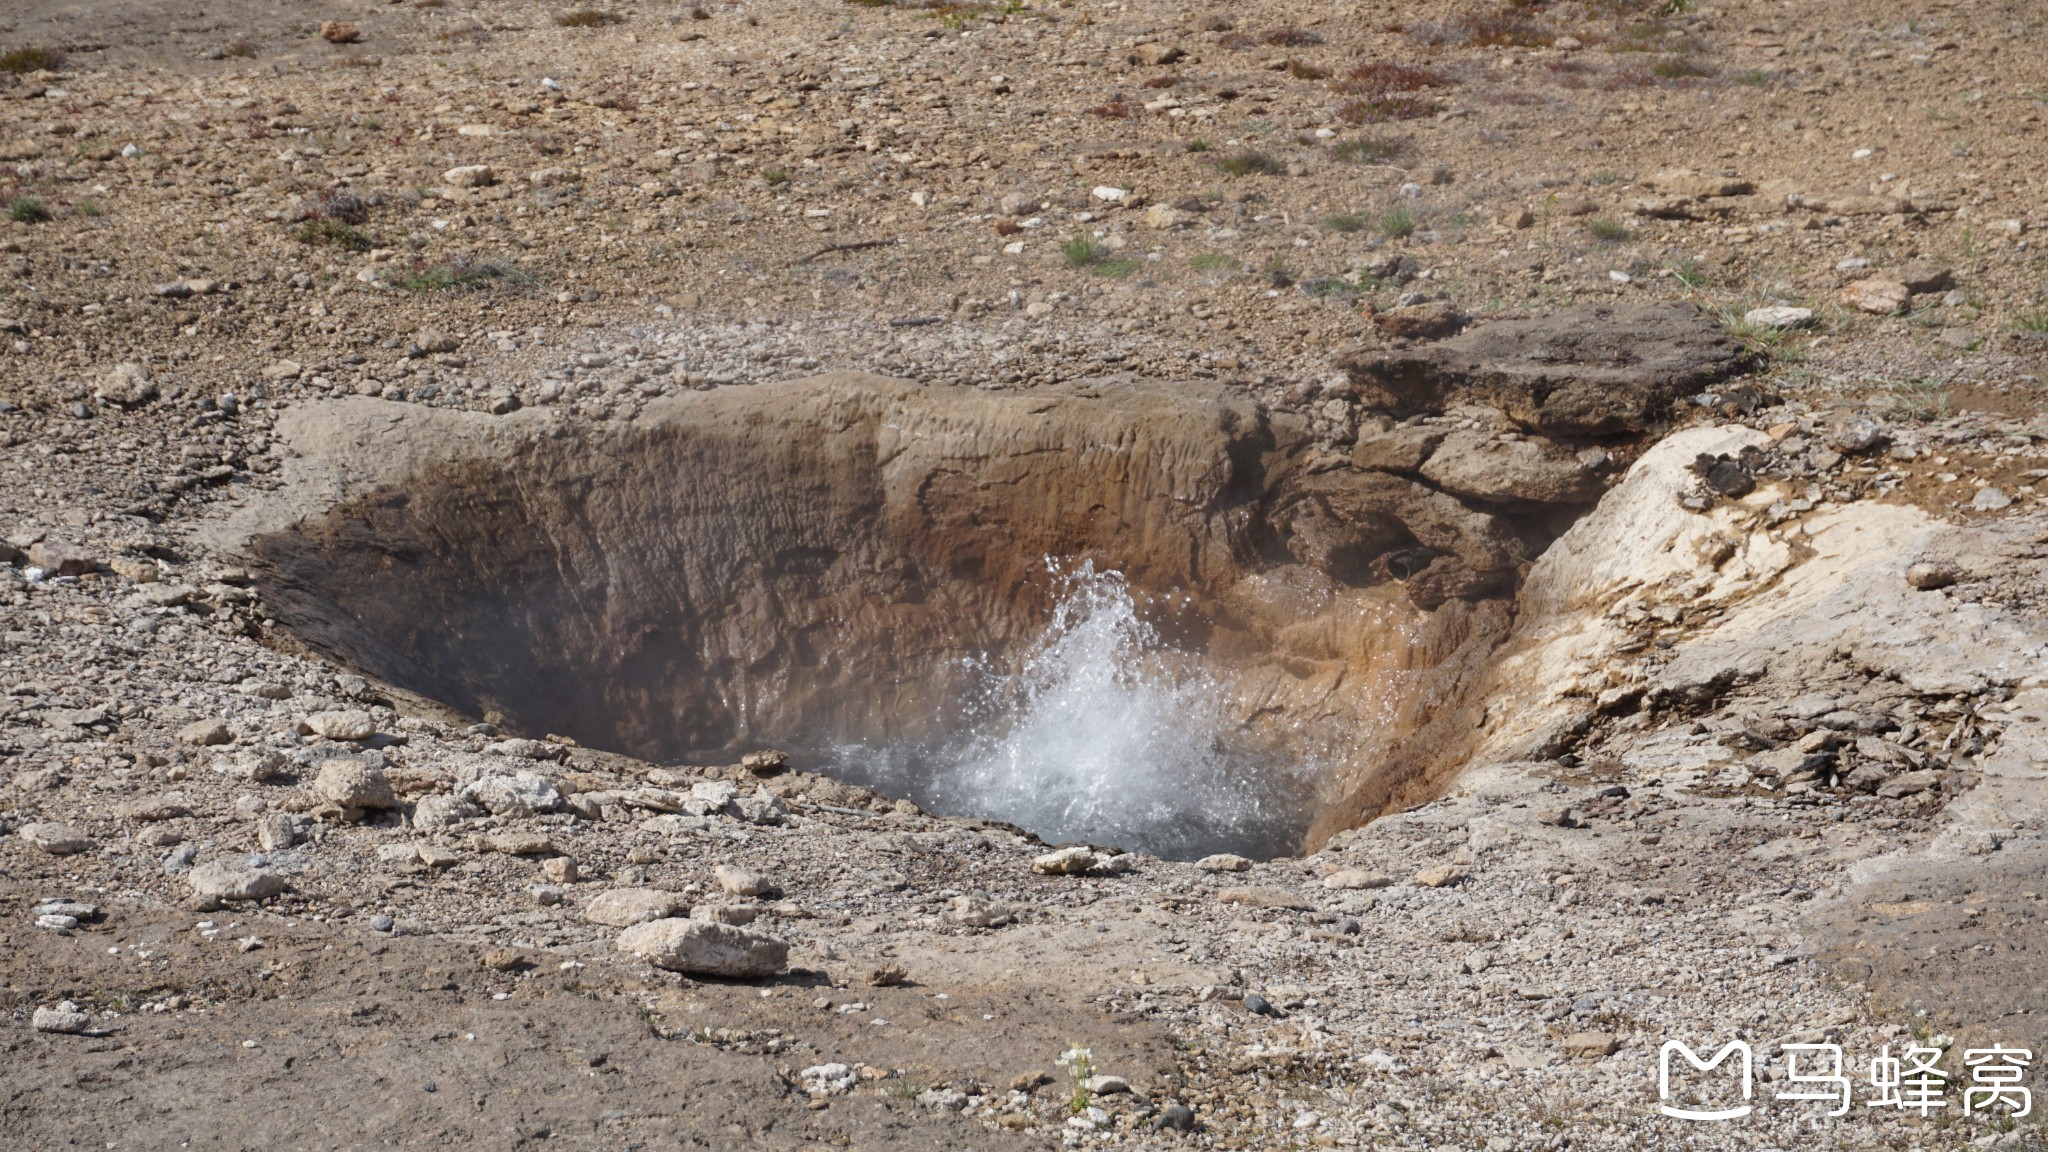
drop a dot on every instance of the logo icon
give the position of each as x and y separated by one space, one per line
1733 1047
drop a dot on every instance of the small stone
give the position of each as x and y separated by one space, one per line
1156 55
1910 784
1859 434
339 32
277 831
59 558
283 370
1354 879
1162 217
54 839
1224 862
978 912
1176 1116
1426 321
353 783
1558 817
471 176
888 976
255 765
440 813
1928 575
65 1019
1590 1045
741 881
1925 276
1065 862
518 795
1105 1085
1441 876
625 907
436 341
561 870
206 733
127 384
502 960
1258 1005
234 879
942 1099
382 923
1778 317
767 762
703 948
1877 296
1990 500
351 724
738 914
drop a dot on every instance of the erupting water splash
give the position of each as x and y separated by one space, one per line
1103 732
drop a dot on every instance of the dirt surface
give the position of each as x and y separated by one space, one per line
1734 773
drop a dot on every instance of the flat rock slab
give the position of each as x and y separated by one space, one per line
705 948
1590 370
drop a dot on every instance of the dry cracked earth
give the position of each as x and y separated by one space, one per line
1615 428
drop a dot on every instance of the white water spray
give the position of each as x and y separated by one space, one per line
1105 733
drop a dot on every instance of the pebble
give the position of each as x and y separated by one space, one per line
353 783
206 733
1065 862
1354 879
1990 500
625 907
1928 575
518 795
234 879
1877 296
1778 317
1224 862
351 724
1441 876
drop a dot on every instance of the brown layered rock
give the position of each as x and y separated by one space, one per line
1592 370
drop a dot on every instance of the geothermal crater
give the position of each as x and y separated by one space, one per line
1154 615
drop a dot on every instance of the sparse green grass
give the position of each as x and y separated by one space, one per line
332 233
454 276
1212 262
1603 178
1082 251
1397 221
1371 150
1344 222
588 18
1198 145
776 177
1247 162
28 210
1923 399
1609 231
1690 273
22 61
1752 78
1681 68
2035 321
90 210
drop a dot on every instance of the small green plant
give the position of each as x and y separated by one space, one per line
1370 150
1681 68
453 276
1212 262
1082 252
588 18
776 177
904 1088
28 210
1247 162
1690 273
330 233
22 61
90 210
1397 221
1751 78
1198 145
1608 231
1603 178
1344 222
2035 322
1079 1065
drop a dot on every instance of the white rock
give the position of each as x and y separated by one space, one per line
518 795
255 765
1223 862
234 879
347 724
1065 862
625 907
1778 317
978 912
54 838
1108 194
354 784
1356 878
65 1019
1990 500
439 813
741 881
705 948
471 176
